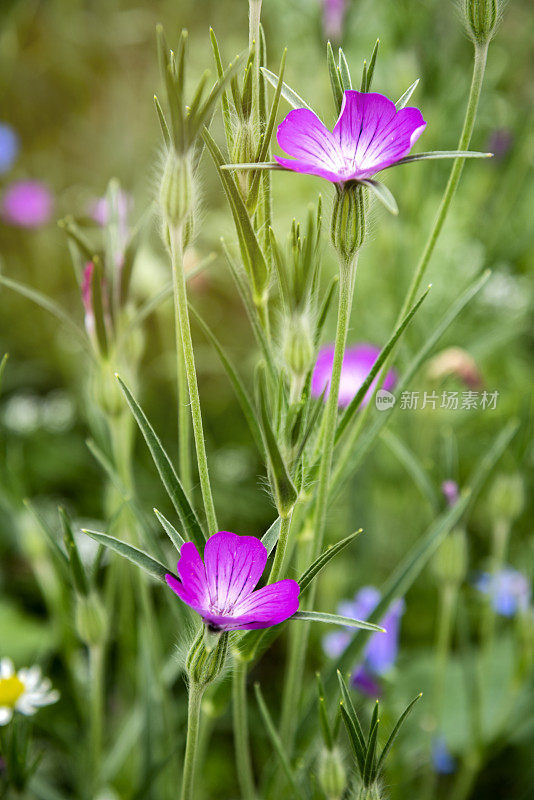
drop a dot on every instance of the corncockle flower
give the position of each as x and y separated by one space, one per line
222 588
357 363
381 650
443 761
27 204
369 136
450 492
24 691
9 147
101 213
509 590
334 12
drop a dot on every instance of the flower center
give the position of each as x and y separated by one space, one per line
10 691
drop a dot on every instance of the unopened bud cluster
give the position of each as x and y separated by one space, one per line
91 619
176 193
244 152
332 775
481 17
450 562
297 348
348 220
207 657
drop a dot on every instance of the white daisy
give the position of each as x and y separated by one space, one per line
24 691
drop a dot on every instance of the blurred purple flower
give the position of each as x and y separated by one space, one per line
357 364
9 147
450 492
381 649
509 590
221 589
100 212
369 136
500 142
442 759
87 297
27 204
334 12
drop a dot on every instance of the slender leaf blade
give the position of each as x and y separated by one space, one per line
128 551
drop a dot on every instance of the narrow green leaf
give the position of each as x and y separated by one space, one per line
372 64
79 578
284 490
170 530
413 466
437 154
137 557
403 101
60 555
324 722
162 122
363 84
204 113
324 309
337 619
239 388
359 753
394 733
357 400
335 79
278 746
382 193
270 537
370 757
344 72
253 165
353 716
326 556
3 363
224 97
287 92
166 471
98 306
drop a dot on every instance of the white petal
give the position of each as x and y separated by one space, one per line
7 670
5 715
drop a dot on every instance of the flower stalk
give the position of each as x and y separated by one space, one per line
245 774
191 748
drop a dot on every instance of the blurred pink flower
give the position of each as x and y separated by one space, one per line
27 204
334 12
357 363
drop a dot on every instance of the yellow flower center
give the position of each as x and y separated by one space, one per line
10 691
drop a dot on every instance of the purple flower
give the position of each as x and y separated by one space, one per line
509 590
221 589
381 650
357 364
450 492
500 142
369 136
443 761
9 147
87 297
334 12
27 204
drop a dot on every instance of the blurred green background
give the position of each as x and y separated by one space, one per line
76 82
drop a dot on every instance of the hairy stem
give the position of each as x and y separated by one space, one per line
241 733
96 709
191 745
281 547
182 313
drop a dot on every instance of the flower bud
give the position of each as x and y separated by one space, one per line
298 344
244 152
348 220
481 17
176 193
91 619
332 775
106 391
506 499
450 562
207 656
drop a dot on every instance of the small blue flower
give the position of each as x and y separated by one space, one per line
442 759
508 589
9 147
381 650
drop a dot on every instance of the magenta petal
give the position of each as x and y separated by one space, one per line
372 134
268 606
357 363
306 168
304 137
194 587
234 565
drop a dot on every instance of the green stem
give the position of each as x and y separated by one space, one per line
184 452
96 710
182 313
479 67
241 734
191 745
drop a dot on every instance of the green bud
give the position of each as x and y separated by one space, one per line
176 193
106 391
332 775
207 656
91 619
348 220
244 152
481 18
450 562
298 343
506 499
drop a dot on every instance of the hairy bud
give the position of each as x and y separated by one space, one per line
298 344
481 18
207 657
176 193
332 775
106 391
244 152
507 497
348 220
450 562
